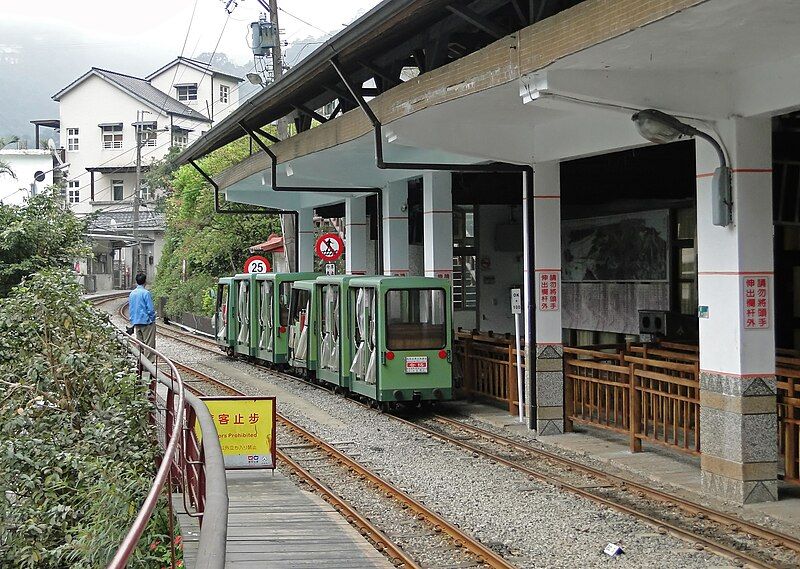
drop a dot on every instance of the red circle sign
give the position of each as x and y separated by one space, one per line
329 247
257 264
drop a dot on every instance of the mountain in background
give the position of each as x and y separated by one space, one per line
34 65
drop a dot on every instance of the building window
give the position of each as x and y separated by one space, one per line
147 134
116 190
72 140
685 255
465 259
180 138
187 92
73 191
112 136
224 93
145 193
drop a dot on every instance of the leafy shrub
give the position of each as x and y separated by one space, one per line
76 451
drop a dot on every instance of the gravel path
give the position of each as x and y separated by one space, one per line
531 523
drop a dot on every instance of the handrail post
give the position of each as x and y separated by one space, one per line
636 411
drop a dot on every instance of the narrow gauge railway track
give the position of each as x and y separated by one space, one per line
429 531
706 528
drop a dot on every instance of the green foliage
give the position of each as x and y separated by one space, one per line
41 233
77 453
211 244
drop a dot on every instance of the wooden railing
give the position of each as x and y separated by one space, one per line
489 367
787 372
650 394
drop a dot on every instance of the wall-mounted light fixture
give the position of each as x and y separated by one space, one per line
662 128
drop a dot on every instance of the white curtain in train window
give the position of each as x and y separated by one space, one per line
301 343
361 357
244 314
221 324
370 375
329 351
265 317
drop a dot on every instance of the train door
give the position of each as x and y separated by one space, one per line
266 317
221 318
243 311
329 328
299 311
364 360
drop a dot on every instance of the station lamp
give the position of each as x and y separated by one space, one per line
662 128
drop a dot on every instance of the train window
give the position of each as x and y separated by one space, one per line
299 303
415 319
265 316
329 323
243 311
285 292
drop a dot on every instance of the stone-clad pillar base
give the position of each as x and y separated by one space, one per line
738 426
549 389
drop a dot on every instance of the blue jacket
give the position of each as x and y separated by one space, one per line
141 307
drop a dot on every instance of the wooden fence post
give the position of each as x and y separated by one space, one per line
511 380
636 411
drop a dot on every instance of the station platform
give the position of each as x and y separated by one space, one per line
658 466
274 523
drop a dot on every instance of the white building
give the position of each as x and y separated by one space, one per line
24 163
101 113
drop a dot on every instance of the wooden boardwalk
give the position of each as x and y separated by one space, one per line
273 523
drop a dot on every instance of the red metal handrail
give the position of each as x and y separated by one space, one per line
128 544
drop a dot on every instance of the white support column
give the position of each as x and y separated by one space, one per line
546 293
355 255
437 211
305 244
395 228
738 419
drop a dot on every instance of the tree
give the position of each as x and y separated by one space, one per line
4 167
39 234
77 451
212 245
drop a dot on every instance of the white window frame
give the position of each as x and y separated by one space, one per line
186 92
118 184
73 139
112 136
180 138
224 93
73 192
151 136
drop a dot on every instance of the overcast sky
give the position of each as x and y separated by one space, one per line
161 25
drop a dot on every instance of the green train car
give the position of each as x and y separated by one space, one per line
386 339
332 329
270 338
401 339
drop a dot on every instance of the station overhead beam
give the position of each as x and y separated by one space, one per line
478 21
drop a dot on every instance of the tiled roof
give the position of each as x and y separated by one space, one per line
140 89
144 90
123 220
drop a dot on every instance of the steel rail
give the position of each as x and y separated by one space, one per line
739 524
789 541
461 539
381 541
707 543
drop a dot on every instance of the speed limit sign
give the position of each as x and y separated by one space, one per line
257 264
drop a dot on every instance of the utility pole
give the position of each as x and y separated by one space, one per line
287 221
138 254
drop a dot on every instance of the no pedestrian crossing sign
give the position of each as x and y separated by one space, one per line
257 264
329 247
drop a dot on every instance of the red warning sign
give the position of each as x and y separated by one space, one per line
329 247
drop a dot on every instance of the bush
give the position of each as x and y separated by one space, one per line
77 453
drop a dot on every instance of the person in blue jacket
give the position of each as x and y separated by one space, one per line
142 313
